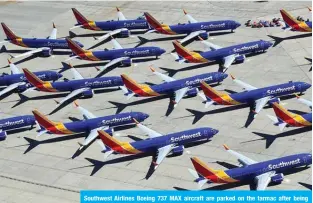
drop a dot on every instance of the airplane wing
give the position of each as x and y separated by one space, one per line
116 44
260 103
73 94
244 85
151 133
190 18
120 15
91 136
241 158
30 52
14 69
162 153
10 88
86 114
179 94
53 34
73 57
304 101
114 32
111 63
166 78
77 75
263 180
210 45
192 35
228 60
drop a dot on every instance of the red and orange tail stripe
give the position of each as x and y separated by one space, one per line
79 17
36 82
188 55
152 21
216 176
288 117
294 23
10 35
139 89
53 127
115 145
219 98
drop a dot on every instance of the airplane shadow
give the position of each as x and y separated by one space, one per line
32 143
278 40
198 115
306 185
271 138
19 130
121 106
172 72
97 165
250 183
144 40
24 98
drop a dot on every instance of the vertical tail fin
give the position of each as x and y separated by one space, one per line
43 120
212 94
281 112
74 47
181 51
152 21
9 33
32 78
79 17
131 84
289 20
109 140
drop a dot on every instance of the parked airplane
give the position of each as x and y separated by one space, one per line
17 80
91 124
224 55
286 118
256 97
77 87
13 123
120 55
192 29
259 173
122 26
163 144
43 45
295 25
179 88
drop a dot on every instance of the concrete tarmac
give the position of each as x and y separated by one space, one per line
41 169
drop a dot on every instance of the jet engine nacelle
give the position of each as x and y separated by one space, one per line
124 33
204 36
47 52
179 150
278 178
22 88
3 135
271 101
192 92
110 131
240 59
126 62
87 94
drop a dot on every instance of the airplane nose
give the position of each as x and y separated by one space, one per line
224 75
145 116
60 75
237 24
162 51
269 44
214 131
306 85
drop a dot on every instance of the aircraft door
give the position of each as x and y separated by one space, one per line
262 45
